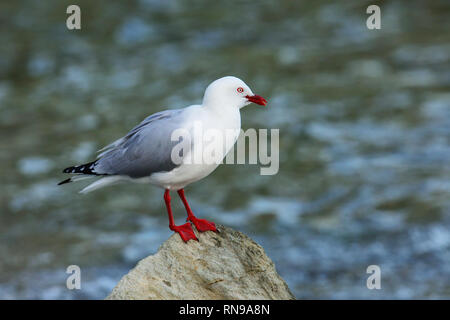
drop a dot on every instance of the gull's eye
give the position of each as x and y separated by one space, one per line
240 89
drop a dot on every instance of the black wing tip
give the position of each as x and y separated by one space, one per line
65 181
86 168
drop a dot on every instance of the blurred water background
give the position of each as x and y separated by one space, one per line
364 118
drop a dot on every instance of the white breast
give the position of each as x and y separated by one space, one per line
209 131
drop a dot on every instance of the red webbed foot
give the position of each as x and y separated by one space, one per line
185 231
202 225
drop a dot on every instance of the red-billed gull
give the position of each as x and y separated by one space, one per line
145 154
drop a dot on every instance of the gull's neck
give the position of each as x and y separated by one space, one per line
218 105
225 115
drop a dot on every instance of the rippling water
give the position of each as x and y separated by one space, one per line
364 120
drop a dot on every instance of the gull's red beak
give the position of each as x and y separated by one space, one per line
257 99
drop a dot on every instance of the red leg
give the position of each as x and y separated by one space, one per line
202 225
185 231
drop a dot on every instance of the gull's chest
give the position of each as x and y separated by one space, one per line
212 137
222 130
228 121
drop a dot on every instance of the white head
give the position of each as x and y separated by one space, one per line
230 92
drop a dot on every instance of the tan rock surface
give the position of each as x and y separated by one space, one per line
225 265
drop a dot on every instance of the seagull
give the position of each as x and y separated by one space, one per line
145 154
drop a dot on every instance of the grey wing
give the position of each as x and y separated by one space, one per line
146 149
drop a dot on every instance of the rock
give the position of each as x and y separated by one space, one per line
225 265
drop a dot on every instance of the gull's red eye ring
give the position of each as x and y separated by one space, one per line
240 89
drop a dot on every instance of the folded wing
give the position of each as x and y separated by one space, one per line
146 149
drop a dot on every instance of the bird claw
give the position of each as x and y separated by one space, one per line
185 231
202 225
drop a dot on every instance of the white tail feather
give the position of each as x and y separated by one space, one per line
103 182
81 177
